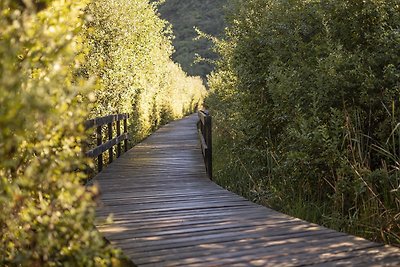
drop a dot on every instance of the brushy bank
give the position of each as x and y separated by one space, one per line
62 62
306 107
130 52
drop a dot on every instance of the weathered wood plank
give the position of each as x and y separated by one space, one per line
104 120
222 246
167 212
275 249
106 146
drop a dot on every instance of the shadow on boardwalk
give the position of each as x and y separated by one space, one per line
167 212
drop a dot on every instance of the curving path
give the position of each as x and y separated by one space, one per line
166 212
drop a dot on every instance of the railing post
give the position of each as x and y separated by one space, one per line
99 142
118 134
126 131
110 150
208 138
204 126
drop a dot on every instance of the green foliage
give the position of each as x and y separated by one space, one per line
129 52
184 15
61 62
47 216
306 98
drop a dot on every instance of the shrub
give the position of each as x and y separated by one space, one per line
308 92
62 62
47 216
130 50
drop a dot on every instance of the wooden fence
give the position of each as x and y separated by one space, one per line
101 147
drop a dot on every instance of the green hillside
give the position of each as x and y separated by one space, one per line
184 15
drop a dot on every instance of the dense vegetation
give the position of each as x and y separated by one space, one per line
306 107
185 16
61 62
130 52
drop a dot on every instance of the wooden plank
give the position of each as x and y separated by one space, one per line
107 145
204 228
181 213
100 121
202 142
231 250
150 242
222 246
202 115
167 208
197 215
173 224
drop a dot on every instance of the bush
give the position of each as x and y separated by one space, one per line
308 92
130 50
47 216
62 62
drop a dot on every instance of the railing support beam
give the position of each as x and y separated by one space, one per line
118 134
204 127
99 142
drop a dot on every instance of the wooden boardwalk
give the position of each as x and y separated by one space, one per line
166 212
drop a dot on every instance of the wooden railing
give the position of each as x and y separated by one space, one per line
204 129
101 147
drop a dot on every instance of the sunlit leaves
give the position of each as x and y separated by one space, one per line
47 216
129 51
60 61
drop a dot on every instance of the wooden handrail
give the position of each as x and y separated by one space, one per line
101 147
205 134
100 121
